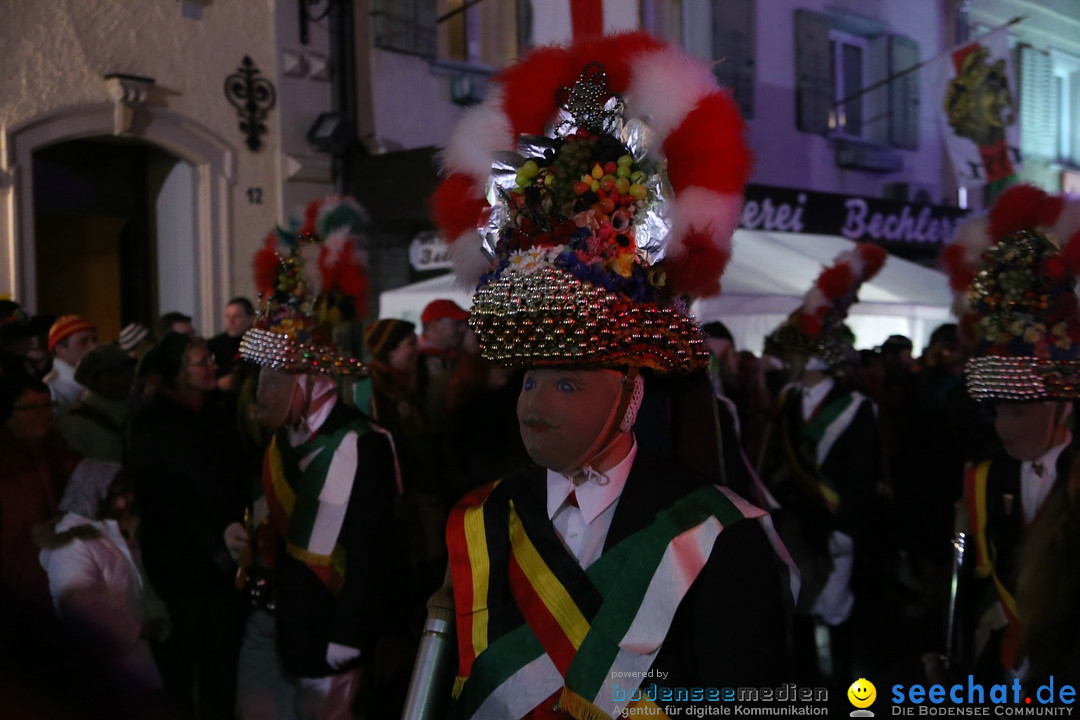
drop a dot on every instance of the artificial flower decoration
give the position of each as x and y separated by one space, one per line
583 243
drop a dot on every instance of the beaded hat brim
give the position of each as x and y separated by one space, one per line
830 347
1022 379
284 353
1014 272
549 317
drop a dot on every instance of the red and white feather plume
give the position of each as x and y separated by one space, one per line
696 123
1020 207
837 285
336 261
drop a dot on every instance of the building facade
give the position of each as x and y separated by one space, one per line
147 148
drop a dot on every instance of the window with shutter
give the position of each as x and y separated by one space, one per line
488 34
813 80
404 26
1067 88
734 49
903 93
840 63
1038 104
484 33
720 32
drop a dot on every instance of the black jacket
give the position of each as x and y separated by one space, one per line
191 480
309 616
731 627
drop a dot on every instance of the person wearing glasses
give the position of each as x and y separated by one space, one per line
36 466
191 480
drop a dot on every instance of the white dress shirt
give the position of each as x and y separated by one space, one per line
812 397
583 529
62 386
1034 489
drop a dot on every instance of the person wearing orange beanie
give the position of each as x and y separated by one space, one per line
70 337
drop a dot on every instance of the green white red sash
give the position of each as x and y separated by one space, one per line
822 430
579 640
309 511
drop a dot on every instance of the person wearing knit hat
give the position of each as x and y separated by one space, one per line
332 518
582 247
1014 271
383 337
70 337
395 405
135 340
824 458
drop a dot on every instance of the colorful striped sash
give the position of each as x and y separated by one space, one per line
309 511
532 624
975 486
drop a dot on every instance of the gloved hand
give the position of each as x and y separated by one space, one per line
338 656
236 540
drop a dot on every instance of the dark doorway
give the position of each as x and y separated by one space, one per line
94 219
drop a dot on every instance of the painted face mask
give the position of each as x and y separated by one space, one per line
274 397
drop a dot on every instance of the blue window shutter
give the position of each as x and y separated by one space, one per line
903 93
734 49
405 26
813 86
1038 104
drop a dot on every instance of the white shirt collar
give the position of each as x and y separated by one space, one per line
812 396
594 495
312 423
63 369
1033 489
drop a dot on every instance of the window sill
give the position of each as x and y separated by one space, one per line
457 67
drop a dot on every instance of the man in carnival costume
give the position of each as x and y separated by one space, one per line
1014 271
824 459
604 576
329 474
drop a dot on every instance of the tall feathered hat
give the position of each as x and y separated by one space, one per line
1014 274
598 186
311 277
816 328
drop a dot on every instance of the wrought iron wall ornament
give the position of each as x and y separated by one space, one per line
253 97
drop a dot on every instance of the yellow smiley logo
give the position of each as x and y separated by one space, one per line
862 693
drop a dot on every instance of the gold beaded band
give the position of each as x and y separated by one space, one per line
995 377
830 347
282 352
549 317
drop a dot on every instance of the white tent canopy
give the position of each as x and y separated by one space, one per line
769 274
406 303
765 280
